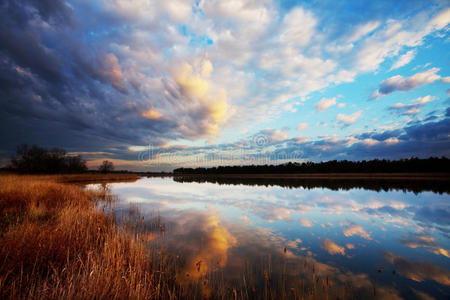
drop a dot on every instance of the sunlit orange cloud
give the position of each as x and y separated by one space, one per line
152 114
263 242
113 71
193 80
350 246
332 248
206 249
306 223
355 229
213 253
427 241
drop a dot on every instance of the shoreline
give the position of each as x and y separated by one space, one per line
329 176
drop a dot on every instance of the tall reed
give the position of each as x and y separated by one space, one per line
56 244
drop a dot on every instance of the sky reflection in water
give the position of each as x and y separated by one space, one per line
347 235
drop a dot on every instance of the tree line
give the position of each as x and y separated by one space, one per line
38 160
409 165
337 184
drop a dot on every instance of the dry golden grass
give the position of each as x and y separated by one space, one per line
55 244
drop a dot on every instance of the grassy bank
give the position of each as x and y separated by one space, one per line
55 244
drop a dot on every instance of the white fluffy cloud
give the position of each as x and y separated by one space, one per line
298 27
346 120
396 34
404 59
325 103
363 30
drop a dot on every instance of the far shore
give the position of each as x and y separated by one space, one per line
364 176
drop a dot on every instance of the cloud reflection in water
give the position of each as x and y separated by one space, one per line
242 230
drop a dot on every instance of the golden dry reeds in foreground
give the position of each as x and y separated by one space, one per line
55 244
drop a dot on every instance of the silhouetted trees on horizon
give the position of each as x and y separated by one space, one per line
106 167
411 165
38 160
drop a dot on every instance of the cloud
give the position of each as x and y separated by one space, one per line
363 30
396 34
350 246
298 27
274 135
358 230
332 248
370 142
113 72
302 126
152 114
432 131
301 140
306 223
211 104
422 240
325 103
400 83
404 59
156 72
441 20
418 271
410 109
392 141
347 120
421 139
273 213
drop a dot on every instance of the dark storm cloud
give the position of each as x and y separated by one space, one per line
56 89
380 136
433 131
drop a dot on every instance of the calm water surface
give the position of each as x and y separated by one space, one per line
291 242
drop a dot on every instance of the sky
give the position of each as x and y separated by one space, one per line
156 85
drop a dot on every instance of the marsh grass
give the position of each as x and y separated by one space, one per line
56 244
60 241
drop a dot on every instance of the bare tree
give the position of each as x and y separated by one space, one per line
106 167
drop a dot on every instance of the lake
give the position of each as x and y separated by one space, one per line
292 239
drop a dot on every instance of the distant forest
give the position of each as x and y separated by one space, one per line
411 165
